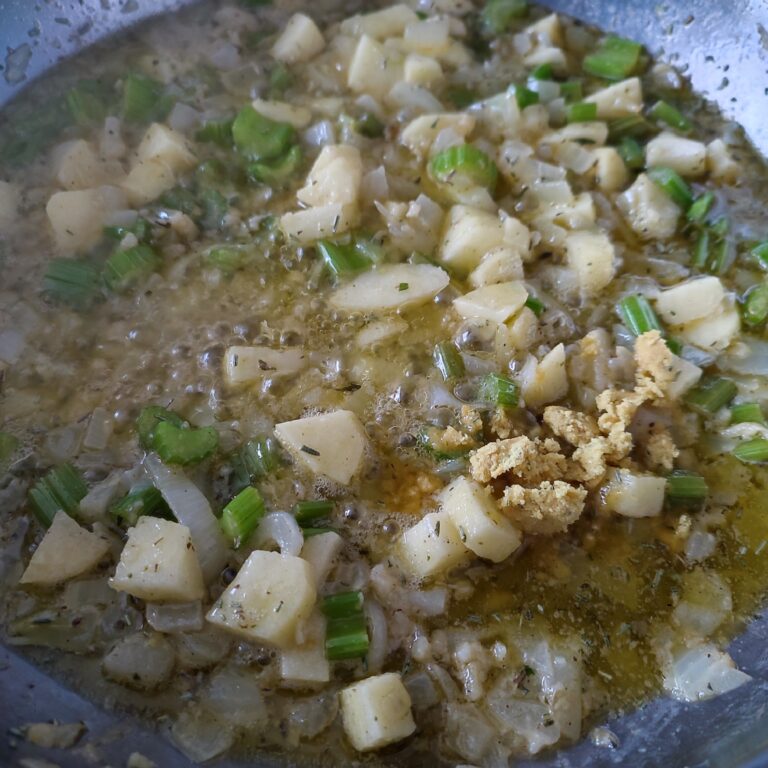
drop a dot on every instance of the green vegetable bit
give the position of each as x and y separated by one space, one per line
62 488
760 254
346 630
581 112
747 413
615 59
260 457
754 308
144 501
241 516
72 282
701 207
752 451
88 102
535 305
342 605
686 489
448 361
670 115
572 91
149 418
525 97
343 258
308 512
631 153
638 315
219 133
673 184
260 139
499 390
180 445
633 126
464 162
710 395
497 15
144 99
279 171
124 269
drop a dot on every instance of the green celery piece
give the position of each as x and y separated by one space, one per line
276 172
177 445
124 269
260 139
144 99
149 418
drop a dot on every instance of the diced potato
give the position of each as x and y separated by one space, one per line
482 528
500 116
649 210
687 375
432 546
413 98
9 205
301 40
376 712
335 177
687 157
390 287
496 302
547 30
547 381
578 214
516 235
321 552
372 70
421 132
594 132
422 70
304 667
716 331
243 365
610 174
633 495
331 444
77 217
167 146
77 166
591 256
499 265
721 166
690 300
308 226
281 112
379 331
159 563
547 54
147 181
430 36
468 235
388 22
413 226
66 551
523 330
269 598
618 100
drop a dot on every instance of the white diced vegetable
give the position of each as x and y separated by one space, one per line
722 167
634 495
702 672
301 40
430 36
379 331
705 603
159 563
331 444
594 133
618 100
687 375
610 174
422 70
372 69
591 256
649 210
77 217
388 22
308 226
140 661
147 181
9 205
335 177
376 712
547 30
499 265
690 300
167 146
482 528
66 551
390 287
496 302
716 331
432 546
687 157
304 666
414 98
420 133
280 111
521 333
243 365
547 54
270 596
469 234
77 166
321 552
546 381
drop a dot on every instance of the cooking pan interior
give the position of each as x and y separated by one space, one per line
723 48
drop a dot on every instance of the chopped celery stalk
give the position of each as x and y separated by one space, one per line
499 390
497 15
686 489
72 281
8 445
720 227
632 126
144 99
631 153
525 97
428 439
309 532
572 91
535 305
145 501
543 72
467 162
343 605
670 115
747 413
125 268
215 208
638 315
701 249
370 248
179 445
227 258
148 420
307 512
752 451
141 229
260 457
721 256
615 59
369 125
754 309
258 138
342 259
581 112
760 254
701 207
673 184
280 80
62 488
448 361
87 102
346 639
181 199
710 395
216 132
278 171
241 516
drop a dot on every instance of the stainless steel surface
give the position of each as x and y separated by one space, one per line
723 47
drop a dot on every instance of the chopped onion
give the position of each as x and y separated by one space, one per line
11 345
226 56
699 546
308 717
409 96
99 430
140 661
235 695
443 679
377 631
198 650
703 672
282 529
320 134
422 691
428 602
191 508
200 736
175 617
750 359
468 733
183 117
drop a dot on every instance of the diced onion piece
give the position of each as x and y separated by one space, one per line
633 495
496 302
175 617
301 40
379 331
422 70
140 661
243 365
420 133
321 552
702 672
721 165
282 529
